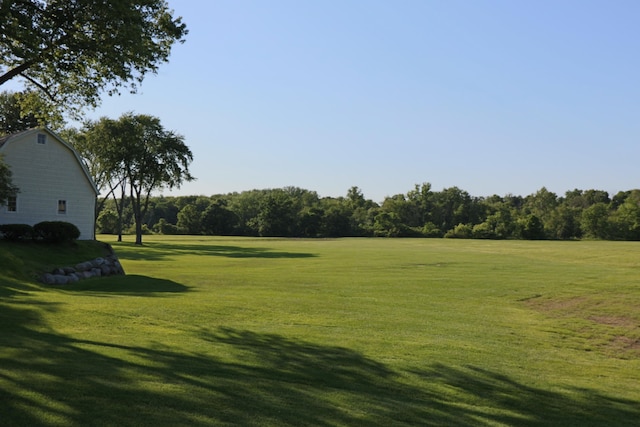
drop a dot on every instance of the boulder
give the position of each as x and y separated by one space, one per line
107 266
84 266
60 279
97 262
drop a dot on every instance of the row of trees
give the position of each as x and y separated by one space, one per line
421 212
67 54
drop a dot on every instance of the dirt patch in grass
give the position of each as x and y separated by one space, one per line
625 347
557 305
621 321
590 324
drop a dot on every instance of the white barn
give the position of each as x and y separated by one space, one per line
54 184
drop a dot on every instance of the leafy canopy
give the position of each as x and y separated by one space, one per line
25 110
73 50
138 152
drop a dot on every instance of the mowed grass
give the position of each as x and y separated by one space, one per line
355 332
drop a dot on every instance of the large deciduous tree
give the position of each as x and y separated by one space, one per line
98 143
135 151
154 158
74 50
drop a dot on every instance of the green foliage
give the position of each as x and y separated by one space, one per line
311 221
564 223
73 51
595 221
56 231
430 230
460 231
164 227
295 212
387 224
28 109
483 231
189 221
13 118
107 222
276 215
218 220
334 220
7 189
625 221
15 232
532 228
452 206
541 204
144 230
135 151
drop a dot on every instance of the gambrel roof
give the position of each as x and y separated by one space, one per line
5 138
15 136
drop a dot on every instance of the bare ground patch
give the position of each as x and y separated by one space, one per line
625 346
621 321
616 335
557 305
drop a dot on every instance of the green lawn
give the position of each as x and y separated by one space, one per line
354 332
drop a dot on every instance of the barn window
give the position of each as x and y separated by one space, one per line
12 204
42 138
62 206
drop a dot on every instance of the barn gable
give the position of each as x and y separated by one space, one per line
54 183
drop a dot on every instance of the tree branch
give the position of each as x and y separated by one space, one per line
15 71
40 86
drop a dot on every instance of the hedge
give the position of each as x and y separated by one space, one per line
15 232
56 231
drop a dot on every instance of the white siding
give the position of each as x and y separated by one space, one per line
46 173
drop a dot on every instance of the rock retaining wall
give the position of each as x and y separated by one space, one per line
102 266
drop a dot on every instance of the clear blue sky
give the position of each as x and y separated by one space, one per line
494 97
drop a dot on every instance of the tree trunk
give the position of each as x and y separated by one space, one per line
120 208
139 232
137 213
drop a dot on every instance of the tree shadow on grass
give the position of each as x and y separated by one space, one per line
158 251
48 378
131 284
12 287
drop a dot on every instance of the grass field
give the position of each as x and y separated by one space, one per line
353 332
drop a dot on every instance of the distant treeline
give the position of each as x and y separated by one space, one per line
422 212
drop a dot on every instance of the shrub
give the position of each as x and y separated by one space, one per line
56 231
15 232
460 231
164 227
430 230
145 230
107 222
483 231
